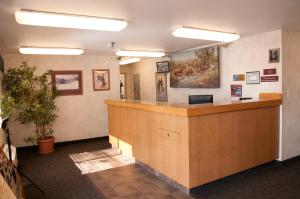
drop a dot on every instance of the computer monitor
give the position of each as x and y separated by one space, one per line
201 99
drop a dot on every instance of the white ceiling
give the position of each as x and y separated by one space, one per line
151 22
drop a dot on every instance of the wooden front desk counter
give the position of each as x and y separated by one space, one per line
196 144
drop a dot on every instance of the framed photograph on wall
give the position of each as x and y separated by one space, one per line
67 82
253 77
274 55
101 79
161 87
163 67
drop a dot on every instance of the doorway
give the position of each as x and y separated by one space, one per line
123 86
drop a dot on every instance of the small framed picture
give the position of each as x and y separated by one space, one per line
67 82
163 67
253 77
101 79
236 90
274 55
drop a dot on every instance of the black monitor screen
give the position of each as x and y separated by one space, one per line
200 99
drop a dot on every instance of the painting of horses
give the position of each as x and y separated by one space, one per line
101 79
198 68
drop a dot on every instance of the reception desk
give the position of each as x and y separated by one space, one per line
197 144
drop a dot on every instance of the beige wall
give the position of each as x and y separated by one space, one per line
244 55
291 94
79 116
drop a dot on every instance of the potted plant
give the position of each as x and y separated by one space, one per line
31 98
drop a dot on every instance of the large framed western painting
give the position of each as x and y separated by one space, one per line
67 82
197 68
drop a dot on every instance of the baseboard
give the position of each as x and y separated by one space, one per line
81 140
69 142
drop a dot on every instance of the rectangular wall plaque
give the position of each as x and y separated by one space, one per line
270 78
239 77
271 71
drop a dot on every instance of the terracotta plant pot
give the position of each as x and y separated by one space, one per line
46 146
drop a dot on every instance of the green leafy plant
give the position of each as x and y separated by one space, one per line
31 98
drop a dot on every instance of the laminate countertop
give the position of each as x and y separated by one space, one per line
183 109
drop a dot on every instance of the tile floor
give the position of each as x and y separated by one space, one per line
132 181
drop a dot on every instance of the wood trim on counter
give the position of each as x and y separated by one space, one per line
159 107
270 96
194 110
238 106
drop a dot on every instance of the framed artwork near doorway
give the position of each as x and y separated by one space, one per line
101 79
161 87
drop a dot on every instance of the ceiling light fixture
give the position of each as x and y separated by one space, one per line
50 51
38 18
126 53
129 61
194 33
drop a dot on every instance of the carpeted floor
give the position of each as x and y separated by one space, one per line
57 174
61 179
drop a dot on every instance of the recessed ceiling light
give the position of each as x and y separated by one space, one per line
194 33
50 51
38 18
129 61
129 53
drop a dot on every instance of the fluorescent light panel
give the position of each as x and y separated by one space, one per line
37 18
126 53
50 51
129 60
194 33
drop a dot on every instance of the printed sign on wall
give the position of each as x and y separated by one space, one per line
271 71
239 77
270 78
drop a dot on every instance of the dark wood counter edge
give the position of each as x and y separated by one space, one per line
197 110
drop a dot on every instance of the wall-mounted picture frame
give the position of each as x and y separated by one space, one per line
253 77
236 90
274 55
67 82
163 66
161 87
101 79
196 68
